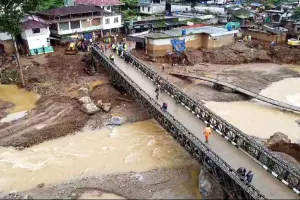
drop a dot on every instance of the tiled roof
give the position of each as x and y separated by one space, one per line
69 10
99 2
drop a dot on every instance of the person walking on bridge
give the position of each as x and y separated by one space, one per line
249 177
207 132
157 90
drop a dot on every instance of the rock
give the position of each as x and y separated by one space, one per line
106 107
278 138
100 103
85 100
40 185
90 108
297 121
115 120
204 185
84 91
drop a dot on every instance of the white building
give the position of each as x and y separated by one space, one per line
152 6
36 34
83 20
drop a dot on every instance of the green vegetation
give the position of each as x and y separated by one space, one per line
129 14
9 77
296 14
130 3
49 4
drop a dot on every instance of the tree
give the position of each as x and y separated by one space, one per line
49 4
130 3
296 14
11 14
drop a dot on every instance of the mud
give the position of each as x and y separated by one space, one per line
53 117
159 183
291 149
238 53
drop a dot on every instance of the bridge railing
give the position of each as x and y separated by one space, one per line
218 168
279 168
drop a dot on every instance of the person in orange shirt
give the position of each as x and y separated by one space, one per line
207 132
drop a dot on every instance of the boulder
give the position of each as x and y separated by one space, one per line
85 100
297 121
83 91
205 186
100 103
278 138
106 107
40 185
90 108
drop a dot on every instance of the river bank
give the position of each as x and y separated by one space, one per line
260 120
55 150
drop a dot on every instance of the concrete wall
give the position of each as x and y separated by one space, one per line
36 40
211 9
279 39
153 8
5 36
160 47
86 25
8 46
180 7
214 42
112 24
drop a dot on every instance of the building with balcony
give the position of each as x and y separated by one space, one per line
83 20
36 35
152 6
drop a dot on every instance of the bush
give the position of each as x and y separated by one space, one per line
10 77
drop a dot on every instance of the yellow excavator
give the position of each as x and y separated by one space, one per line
294 42
71 49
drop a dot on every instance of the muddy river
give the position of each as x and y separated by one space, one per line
22 99
137 147
261 119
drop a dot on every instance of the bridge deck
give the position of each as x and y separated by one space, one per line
263 181
246 92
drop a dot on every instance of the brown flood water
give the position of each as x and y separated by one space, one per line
137 147
22 99
263 120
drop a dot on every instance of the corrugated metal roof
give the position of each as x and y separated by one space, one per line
99 2
211 30
31 24
69 10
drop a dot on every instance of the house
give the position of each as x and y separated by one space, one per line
84 19
152 24
6 43
151 7
36 34
297 28
267 33
159 44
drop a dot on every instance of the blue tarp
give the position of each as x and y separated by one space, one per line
88 36
255 4
178 45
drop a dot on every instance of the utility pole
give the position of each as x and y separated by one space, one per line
18 61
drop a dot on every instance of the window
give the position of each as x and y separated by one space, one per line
143 8
107 21
148 9
36 30
116 20
75 24
64 26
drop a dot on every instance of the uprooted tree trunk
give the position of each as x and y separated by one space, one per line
18 61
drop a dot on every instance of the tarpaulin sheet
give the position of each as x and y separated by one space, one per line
178 45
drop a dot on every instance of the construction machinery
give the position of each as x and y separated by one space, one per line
71 49
294 42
